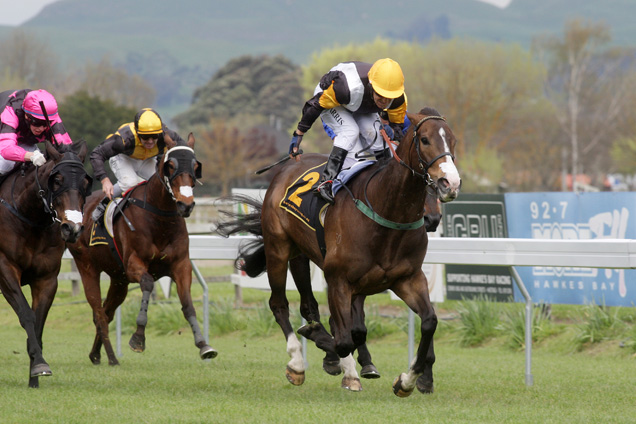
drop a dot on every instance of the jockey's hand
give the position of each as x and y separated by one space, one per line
107 188
293 146
37 158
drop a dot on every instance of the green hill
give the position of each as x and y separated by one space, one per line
198 36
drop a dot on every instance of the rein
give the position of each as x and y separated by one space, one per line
367 209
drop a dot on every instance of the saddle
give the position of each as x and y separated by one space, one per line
301 201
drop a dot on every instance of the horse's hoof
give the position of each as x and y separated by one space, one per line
423 386
208 352
351 384
398 390
95 359
307 329
41 370
369 371
113 362
294 377
137 344
331 367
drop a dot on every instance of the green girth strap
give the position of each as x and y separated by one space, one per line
362 207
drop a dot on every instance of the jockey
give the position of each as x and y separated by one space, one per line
349 100
131 153
23 125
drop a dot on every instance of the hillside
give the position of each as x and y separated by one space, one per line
200 36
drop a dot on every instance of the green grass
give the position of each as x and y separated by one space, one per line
168 383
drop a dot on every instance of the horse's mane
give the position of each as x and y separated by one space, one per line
429 111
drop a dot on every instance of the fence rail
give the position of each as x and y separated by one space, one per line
510 252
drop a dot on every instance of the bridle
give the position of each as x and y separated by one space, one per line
183 164
423 165
72 168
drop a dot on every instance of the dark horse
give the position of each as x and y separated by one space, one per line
41 209
151 241
376 240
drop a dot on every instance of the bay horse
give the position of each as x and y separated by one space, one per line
375 239
150 241
40 210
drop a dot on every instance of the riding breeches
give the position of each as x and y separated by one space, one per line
130 172
355 132
7 165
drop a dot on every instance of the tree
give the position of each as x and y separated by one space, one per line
490 93
232 156
589 85
265 88
107 82
92 118
29 60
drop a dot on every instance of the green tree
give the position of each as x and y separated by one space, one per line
93 119
261 88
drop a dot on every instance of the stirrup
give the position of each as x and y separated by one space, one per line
324 189
99 210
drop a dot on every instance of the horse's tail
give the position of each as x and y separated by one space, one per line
251 256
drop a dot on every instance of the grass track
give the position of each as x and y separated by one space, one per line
246 383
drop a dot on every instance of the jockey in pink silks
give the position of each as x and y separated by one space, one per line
23 125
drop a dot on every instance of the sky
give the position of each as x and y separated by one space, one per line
16 12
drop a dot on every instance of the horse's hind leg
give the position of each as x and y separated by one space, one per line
277 275
117 293
183 279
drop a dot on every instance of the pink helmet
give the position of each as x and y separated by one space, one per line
31 104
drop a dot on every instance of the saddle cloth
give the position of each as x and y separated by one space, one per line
301 201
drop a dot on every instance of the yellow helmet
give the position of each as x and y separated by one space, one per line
147 121
386 78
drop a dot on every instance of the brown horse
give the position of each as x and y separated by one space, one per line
375 240
41 208
151 241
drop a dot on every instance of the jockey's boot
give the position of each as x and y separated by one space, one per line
98 213
332 168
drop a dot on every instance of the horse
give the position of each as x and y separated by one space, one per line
41 209
372 245
149 241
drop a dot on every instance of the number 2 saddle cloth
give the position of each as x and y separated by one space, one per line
302 201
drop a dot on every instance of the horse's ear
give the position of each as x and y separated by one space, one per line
190 141
170 143
80 148
52 151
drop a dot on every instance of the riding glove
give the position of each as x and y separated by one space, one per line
38 158
295 141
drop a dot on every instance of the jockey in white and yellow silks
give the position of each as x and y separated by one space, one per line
131 153
23 125
349 99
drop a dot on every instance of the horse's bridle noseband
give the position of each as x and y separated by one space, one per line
423 165
183 165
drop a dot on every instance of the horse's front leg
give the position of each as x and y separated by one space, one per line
42 293
414 292
138 340
11 290
182 275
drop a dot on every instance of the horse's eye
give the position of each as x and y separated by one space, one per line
424 140
58 181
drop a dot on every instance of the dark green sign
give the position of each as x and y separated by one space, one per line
477 215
